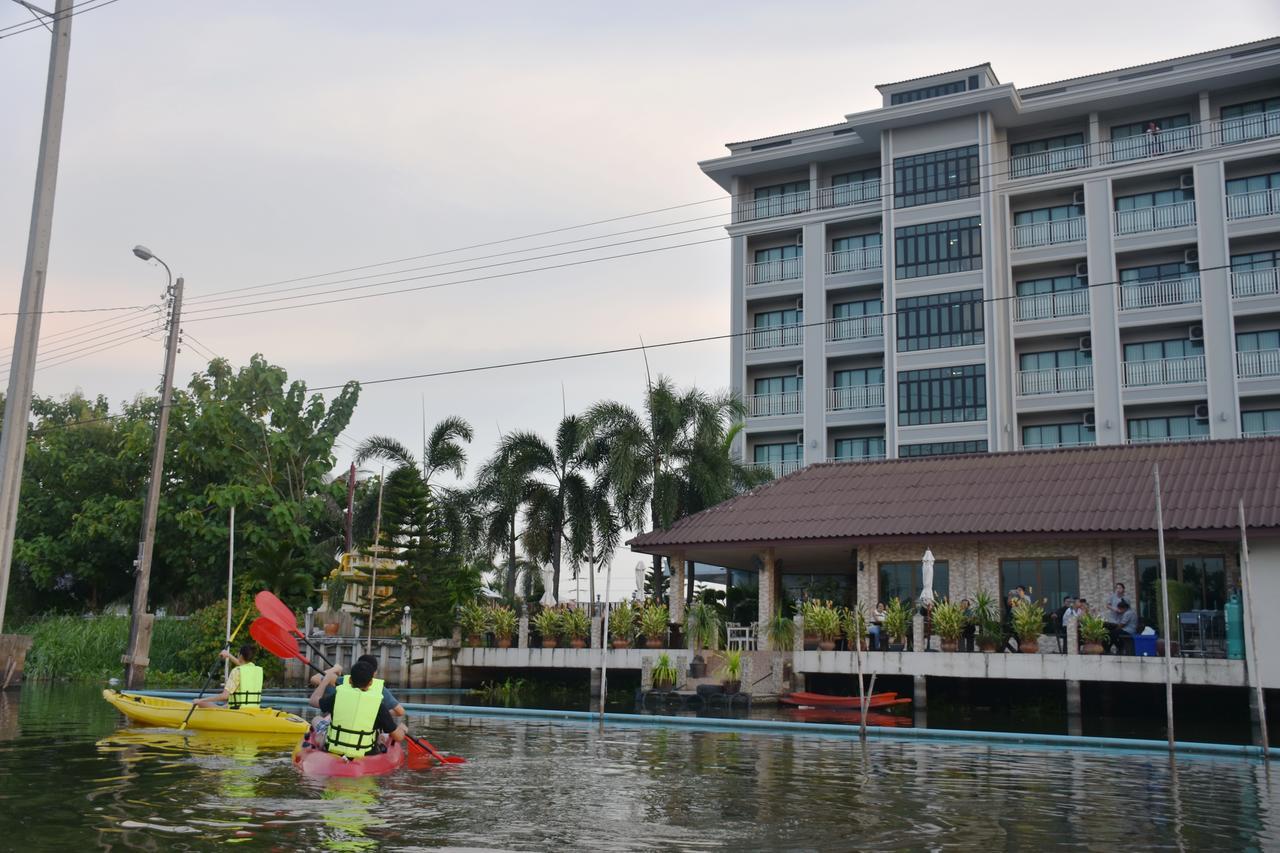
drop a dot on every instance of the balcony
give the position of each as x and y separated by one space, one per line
1034 234
1057 445
1252 205
1047 306
774 272
1174 140
851 397
774 405
1162 217
1253 364
855 328
1164 371
853 260
775 337
778 469
1260 433
1158 439
825 198
1246 283
1153 294
1231 131
879 458
846 195
1048 162
1055 380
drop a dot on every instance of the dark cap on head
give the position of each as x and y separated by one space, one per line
247 652
361 674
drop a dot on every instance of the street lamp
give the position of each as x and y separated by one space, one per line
147 255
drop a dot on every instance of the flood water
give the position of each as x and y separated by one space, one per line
74 776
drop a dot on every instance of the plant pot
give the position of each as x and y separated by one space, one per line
1091 648
731 687
475 640
1029 647
548 643
653 642
504 642
621 644
897 647
663 686
987 646
577 643
697 667
331 629
950 645
827 645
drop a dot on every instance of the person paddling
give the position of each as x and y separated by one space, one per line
356 713
244 683
389 701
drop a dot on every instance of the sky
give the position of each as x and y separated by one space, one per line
249 144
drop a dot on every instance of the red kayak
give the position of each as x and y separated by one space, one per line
821 700
838 715
317 762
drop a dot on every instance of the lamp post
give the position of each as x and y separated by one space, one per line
136 658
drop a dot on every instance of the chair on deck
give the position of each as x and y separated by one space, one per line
742 637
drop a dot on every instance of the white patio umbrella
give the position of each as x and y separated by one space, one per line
640 571
548 578
926 586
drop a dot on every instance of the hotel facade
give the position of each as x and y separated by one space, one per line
977 267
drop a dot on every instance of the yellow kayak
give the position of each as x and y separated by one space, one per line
157 711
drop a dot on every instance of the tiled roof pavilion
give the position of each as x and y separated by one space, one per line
1087 492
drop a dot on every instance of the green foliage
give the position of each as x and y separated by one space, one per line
513 691
473 618
622 622
781 632
897 620
547 621
1093 629
704 624
854 623
1028 621
503 621
664 673
821 619
575 624
1181 595
653 621
948 620
731 665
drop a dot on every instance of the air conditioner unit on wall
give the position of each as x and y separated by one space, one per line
1086 343
799 370
1082 270
799 438
1089 419
1202 411
1195 333
1191 256
799 303
1187 181
1077 197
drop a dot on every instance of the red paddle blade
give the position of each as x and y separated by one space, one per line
273 638
276 610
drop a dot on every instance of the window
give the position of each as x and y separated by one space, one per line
855 187
935 248
942 395
860 377
1251 120
839 589
774 319
779 254
1157 350
1056 284
1207 577
861 308
1176 428
1054 359
781 199
1260 422
1052 580
1057 435
858 241
1153 199
906 581
927 92
1156 272
1052 143
940 320
941 448
1049 214
1172 133
1253 183
859 177
1255 261
1254 341
768 453
780 263
848 449
936 176
774 385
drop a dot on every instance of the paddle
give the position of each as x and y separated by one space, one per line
278 612
212 670
433 752
276 640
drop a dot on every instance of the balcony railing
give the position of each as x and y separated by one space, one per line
855 328
1254 363
1173 140
1057 445
1055 380
1044 306
768 208
845 195
1264 282
1161 217
1153 294
1034 234
779 469
775 337
849 397
853 260
1230 131
772 272
1260 433
1254 204
771 405
1157 439
1164 371
1046 162
875 458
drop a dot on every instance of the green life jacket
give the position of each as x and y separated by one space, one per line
249 689
351 730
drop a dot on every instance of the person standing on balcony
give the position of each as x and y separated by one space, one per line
1111 613
1153 139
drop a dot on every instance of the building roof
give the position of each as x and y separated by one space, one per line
1104 490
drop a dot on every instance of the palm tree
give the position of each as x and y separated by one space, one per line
672 459
556 488
497 496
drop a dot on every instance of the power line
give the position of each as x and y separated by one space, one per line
95 351
76 9
72 310
82 331
76 343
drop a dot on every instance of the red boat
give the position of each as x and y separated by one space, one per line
839 715
822 700
317 762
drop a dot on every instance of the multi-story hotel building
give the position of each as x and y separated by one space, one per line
974 266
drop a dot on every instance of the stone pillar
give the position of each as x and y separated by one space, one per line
384 657
596 625
1215 295
1104 329
429 659
768 574
677 593
309 621
406 661
798 644
919 694
917 633
1073 636
523 636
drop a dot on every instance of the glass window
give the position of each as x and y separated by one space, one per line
927 92
1052 143
1049 214
781 199
940 320
941 448
779 385
1260 422
906 581
859 448
1255 261
1251 120
1054 359
861 308
1056 284
936 176
859 177
1175 428
1253 183
1156 272
774 319
942 395
1138 128
778 253
1251 108
1057 435
1207 577
860 376
1151 137
935 248
1253 341
1153 199
858 241
1051 580
779 453
1156 350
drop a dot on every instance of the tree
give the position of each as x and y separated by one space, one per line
497 496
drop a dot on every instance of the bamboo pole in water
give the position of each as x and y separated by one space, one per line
604 644
1164 593
1251 649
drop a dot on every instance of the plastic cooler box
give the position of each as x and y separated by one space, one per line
1144 646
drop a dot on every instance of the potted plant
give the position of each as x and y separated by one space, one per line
988 634
704 627
731 671
854 622
810 635
547 621
897 621
664 673
1093 634
781 632
575 627
823 621
622 625
653 624
1028 625
473 619
502 620
335 590
948 623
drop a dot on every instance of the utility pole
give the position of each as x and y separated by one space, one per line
22 370
137 658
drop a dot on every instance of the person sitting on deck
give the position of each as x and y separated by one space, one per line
1125 628
875 625
389 701
244 683
356 712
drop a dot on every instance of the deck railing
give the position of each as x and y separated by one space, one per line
772 405
849 397
1254 204
853 260
1263 282
1045 306
1055 380
773 272
1164 371
855 328
1134 296
1161 217
1032 234
1252 364
775 337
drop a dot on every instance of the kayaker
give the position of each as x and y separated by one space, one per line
244 683
356 711
389 701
